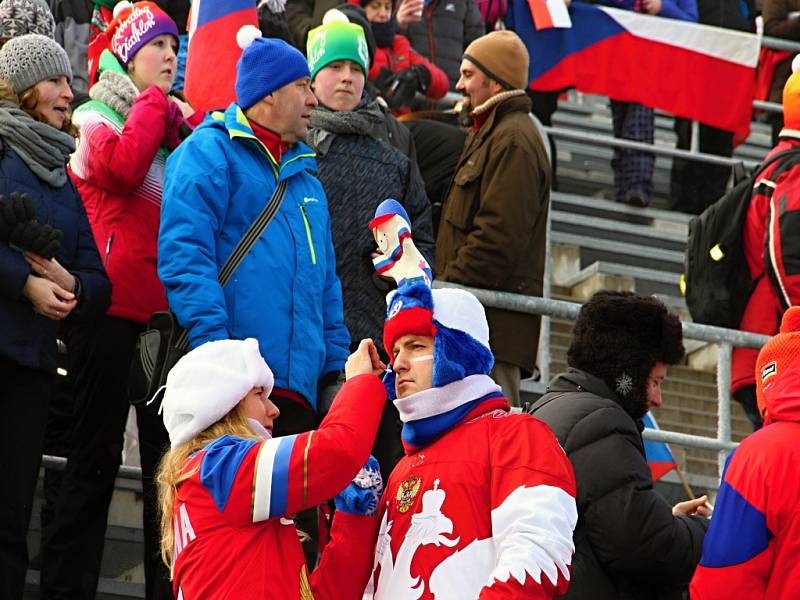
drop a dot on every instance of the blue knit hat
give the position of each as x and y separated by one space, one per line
266 65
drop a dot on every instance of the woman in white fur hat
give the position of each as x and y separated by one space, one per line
228 490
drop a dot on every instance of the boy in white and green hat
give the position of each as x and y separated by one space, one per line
338 59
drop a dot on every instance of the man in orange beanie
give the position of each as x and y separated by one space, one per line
773 222
750 550
492 229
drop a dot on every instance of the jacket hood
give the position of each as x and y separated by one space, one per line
575 380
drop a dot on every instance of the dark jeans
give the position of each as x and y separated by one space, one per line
25 394
99 357
696 185
57 440
153 443
544 104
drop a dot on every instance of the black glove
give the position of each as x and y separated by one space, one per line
18 226
384 79
46 243
406 84
17 210
43 240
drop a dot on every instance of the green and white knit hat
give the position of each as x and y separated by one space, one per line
336 39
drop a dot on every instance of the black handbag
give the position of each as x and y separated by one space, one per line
164 341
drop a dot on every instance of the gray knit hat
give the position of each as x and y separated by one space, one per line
18 17
28 59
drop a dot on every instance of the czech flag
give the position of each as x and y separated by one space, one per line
213 51
659 456
702 73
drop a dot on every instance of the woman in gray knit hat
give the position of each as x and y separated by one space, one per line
50 271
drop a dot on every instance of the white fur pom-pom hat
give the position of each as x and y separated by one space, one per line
208 382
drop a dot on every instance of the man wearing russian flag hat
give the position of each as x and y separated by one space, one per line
483 502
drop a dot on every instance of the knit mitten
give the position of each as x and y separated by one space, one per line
362 495
43 240
17 209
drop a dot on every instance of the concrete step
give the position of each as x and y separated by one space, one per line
609 250
611 228
121 571
620 213
645 281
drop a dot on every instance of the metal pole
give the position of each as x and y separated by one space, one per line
694 147
59 463
607 140
547 284
768 106
724 406
780 44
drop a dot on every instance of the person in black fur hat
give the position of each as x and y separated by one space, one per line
629 542
621 337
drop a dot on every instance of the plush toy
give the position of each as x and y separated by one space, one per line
399 258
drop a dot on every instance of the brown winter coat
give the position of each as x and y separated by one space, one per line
493 224
778 23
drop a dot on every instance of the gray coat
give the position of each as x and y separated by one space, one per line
446 29
358 172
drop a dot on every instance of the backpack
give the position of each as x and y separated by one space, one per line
716 280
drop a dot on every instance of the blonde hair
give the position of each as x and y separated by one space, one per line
171 472
28 100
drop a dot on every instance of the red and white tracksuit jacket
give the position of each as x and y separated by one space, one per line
485 510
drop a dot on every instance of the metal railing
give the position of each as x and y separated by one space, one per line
547 307
724 339
607 140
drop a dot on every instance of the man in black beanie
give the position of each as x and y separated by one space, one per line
629 543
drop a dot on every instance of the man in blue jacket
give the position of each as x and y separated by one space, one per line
285 293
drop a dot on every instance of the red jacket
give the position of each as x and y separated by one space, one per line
234 533
772 256
118 169
402 56
751 548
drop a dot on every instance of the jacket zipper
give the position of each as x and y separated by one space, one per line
308 234
431 43
108 249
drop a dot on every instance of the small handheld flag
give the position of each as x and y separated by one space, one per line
659 456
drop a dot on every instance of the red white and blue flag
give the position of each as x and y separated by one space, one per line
659 456
213 51
549 13
703 73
